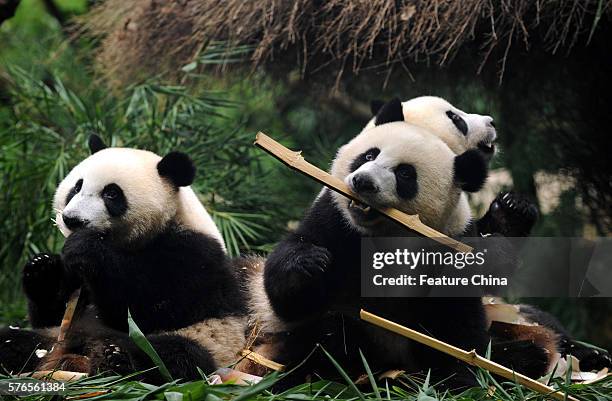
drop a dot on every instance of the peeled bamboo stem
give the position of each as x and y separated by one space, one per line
297 162
470 357
68 315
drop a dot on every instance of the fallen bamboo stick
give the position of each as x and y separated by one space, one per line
470 357
297 162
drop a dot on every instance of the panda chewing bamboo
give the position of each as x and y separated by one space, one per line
137 239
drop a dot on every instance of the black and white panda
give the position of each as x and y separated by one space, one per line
137 240
312 277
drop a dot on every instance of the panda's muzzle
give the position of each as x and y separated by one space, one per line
363 184
74 223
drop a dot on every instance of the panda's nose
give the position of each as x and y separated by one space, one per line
490 121
364 184
74 223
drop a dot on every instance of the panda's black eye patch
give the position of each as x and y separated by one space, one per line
458 121
363 158
114 200
74 190
406 183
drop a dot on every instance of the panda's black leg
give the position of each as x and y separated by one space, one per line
181 356
510 214
590 358
18 349
47 288
111 351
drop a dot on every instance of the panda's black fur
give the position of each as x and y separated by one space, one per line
327 303
168 281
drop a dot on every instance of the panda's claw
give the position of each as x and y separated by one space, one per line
511 215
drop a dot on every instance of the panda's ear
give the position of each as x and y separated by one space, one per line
95 144
470 172
389 112
375 106
178 168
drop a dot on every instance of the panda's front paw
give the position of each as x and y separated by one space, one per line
311 261
512 215
42 276
83 250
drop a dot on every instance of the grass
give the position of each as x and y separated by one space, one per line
404 387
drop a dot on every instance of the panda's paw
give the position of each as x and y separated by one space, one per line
42 276
115 359
512 215
82 250
312 261
591 359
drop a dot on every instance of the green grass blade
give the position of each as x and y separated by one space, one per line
370 376
344 375
141 341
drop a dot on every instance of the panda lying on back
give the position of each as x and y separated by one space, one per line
131 244
312 277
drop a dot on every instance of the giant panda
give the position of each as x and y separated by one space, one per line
311 278
511 215
137 240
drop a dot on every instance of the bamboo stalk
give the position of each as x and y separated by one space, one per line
68 315
48 365
471 357
59 375
297 162
262 360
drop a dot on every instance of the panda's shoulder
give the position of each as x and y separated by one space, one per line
178 237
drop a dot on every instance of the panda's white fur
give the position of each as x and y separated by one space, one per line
436 202
430 113
152 200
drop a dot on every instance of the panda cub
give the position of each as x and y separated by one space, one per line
137 239
312 277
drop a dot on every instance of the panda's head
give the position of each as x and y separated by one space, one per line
128 193
399 165
459 130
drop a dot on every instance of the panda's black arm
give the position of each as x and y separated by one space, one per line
299 275
178 278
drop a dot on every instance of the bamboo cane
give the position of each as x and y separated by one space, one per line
58 348
471 357
297 162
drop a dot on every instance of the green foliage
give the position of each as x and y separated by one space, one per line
404 387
